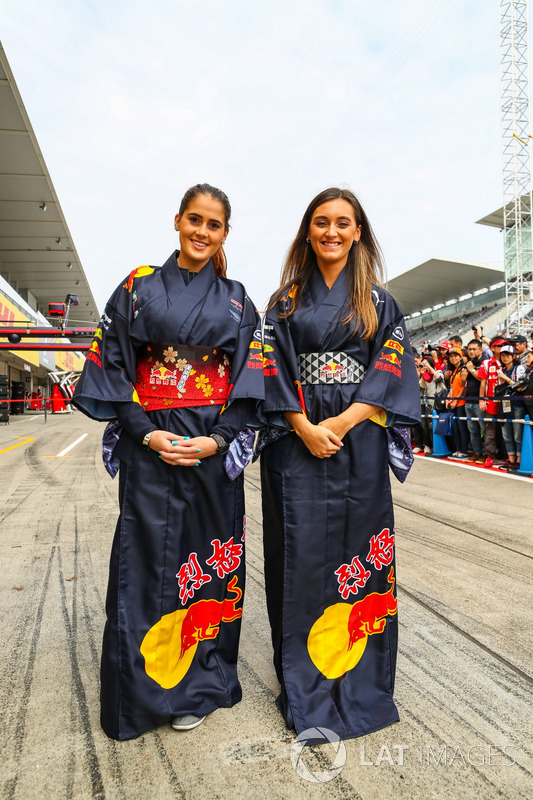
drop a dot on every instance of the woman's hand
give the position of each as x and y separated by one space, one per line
349 418
340 425
182 450
321 442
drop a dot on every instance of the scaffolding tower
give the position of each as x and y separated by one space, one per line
517 194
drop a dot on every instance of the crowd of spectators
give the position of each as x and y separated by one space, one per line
487 386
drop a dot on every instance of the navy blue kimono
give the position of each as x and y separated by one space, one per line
174 601
328 523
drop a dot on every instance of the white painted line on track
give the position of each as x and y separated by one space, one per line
25 419
71 446
499 474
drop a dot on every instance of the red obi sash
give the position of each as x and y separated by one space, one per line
174 376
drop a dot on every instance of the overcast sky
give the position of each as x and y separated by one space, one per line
273 101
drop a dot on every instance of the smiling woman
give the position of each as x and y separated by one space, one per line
332 233
203 224
340 387
173 363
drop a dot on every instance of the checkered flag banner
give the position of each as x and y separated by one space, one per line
332 367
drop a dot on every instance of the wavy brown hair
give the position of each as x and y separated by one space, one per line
365 266
219 260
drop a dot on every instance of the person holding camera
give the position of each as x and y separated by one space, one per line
474 415
513 408
430 381
484 342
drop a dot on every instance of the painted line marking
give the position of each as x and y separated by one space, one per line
17 445
71 446
479 469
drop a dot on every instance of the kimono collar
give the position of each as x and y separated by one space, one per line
175 285
320 291
184 301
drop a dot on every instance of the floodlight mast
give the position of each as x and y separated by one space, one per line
516 149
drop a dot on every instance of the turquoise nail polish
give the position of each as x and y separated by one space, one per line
173 442
186 437
160 456
198 464
198 451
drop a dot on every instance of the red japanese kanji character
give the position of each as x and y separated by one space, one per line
354 572
381 550
226 557
191 572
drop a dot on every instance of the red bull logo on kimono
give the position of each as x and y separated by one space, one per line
389 362
169 646
163 375
333 370
337 640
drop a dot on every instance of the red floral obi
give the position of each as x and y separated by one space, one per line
173 376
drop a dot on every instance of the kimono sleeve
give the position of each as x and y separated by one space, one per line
282 387
391 380
247 360
109 373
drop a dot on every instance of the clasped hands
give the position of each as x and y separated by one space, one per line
182 451
325 439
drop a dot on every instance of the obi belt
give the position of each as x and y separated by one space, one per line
175 376
329 368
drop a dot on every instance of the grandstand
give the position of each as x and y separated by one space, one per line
441 297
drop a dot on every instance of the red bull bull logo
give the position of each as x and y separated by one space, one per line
203 618
368 616
333 370
163 375
169 646
392 358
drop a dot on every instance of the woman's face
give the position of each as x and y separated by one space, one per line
332 232
202 229
455 358
506 359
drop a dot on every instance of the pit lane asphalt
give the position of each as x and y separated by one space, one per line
465 667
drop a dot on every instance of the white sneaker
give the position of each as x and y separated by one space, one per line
187 722
417 450
427 449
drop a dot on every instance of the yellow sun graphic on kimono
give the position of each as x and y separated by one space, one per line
169 646
338 638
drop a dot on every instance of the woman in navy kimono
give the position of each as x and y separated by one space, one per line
177 363
340 382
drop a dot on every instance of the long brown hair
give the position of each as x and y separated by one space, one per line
219 260
364 265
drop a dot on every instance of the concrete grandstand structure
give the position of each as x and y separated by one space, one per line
441 297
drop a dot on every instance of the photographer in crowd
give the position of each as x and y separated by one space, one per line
476 426
512 407
484 342
488 375
431 380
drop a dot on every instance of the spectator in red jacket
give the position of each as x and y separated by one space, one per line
488 375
